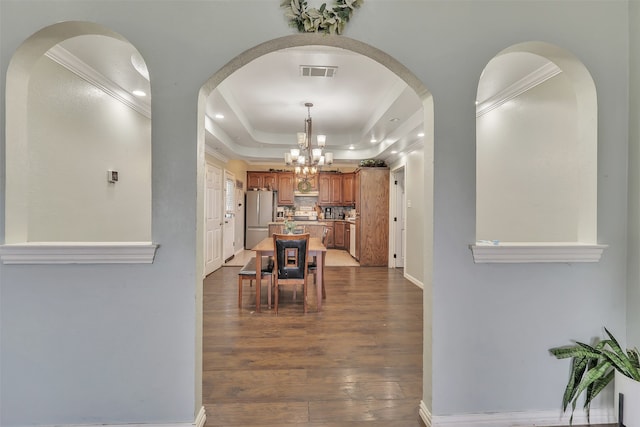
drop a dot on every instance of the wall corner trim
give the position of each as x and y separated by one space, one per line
78 253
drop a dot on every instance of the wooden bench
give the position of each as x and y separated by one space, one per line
248 272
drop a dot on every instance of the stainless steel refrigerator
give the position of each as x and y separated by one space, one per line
260 211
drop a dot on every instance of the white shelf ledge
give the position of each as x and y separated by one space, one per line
528 252
78 253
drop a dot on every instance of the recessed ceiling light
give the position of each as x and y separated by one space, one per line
373 140
219 116
394 152
421 134
395 119
139 92
351 147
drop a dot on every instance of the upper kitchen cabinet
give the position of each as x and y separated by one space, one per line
348 189
336 189
324 189
260 180
285 188
331 189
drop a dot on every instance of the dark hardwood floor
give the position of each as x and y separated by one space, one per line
357 363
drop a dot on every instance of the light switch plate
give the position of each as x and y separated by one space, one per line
112 175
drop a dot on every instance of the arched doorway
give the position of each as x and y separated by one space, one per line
425 229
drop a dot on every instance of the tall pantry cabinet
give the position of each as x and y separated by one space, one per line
372 224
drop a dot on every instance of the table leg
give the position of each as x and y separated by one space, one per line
258 278
320 278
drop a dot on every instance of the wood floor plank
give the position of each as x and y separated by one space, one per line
357 363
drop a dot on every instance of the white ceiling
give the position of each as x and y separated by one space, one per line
263 106
263 102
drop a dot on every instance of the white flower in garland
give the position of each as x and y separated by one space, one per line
323 20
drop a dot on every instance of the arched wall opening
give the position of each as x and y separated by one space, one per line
64 135
537 132
427 102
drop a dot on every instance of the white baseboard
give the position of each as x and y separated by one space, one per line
413 280
201 418
515 419
425 414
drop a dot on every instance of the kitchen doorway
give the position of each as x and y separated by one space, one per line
423 221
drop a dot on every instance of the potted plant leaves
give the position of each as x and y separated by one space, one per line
592 369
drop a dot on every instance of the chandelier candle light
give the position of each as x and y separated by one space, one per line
308 158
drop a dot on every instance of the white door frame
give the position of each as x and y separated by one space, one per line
213 215
228 229
397 217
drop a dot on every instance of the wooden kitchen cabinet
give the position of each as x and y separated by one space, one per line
330 187
336 189
348 189
285 188
260 180
324 189
372 225
339 234
330 236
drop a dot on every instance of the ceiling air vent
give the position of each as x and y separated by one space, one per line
317 71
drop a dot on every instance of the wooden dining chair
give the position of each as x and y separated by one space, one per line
313 263
291 262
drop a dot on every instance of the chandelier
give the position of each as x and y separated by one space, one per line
308 158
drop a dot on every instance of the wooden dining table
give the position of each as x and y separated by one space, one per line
265 248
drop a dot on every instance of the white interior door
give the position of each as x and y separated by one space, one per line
228 231
213 219
399 219
239 220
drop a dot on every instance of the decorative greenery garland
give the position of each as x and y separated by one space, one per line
323 20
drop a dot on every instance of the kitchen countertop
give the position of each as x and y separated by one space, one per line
319 222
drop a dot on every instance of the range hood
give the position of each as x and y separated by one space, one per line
306 193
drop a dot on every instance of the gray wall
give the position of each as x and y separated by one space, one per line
414 190
633 289
115 344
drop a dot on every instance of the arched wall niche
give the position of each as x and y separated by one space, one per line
427 185
59 206
536 158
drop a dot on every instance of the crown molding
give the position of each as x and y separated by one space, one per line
78 253
80 68
215 153
528 82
